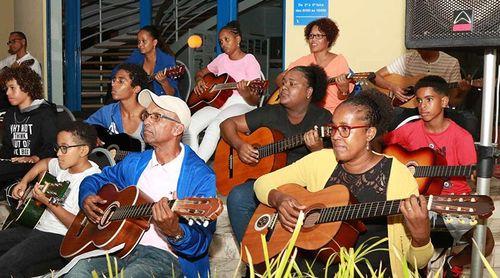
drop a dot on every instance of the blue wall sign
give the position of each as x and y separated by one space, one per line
305 11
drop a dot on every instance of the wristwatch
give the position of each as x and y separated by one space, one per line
176 238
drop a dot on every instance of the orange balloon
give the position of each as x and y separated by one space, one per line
194 41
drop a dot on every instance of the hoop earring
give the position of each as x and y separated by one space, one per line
368 146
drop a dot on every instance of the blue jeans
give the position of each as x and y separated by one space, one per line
144 261
241 204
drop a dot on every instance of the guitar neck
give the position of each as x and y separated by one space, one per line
282 145
359 211
443 171
137 211
225 86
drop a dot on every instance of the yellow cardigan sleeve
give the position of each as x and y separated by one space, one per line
312 171
401 185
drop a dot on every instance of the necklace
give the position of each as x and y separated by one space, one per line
25 120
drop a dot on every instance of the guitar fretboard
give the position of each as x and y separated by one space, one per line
443 171
282 145
225 86
137 211
358 211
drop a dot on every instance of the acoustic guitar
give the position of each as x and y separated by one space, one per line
428 167
352 77
332 219
408 85
29 210
219 89
271 145
127 215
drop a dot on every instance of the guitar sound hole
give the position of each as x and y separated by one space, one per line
412 165
262 222
311 218
107 215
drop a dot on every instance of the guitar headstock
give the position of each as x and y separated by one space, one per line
175 72
199 210
480 206
325 131
358 76
258 85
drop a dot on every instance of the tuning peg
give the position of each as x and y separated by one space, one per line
473 221
473 200
198 222
448 219
190 222
205 223
461 220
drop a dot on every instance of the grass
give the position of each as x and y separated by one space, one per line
285 265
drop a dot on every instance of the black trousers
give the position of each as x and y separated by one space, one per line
26 252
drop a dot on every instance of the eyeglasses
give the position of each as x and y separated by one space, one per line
13 41
344 130
316 36
64 149
156 117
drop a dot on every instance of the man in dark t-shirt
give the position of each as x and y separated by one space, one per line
295 114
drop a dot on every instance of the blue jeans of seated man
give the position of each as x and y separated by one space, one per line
241 204
143 261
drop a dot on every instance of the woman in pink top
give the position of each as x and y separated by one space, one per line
242 67
321 34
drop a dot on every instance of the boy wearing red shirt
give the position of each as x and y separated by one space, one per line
447 138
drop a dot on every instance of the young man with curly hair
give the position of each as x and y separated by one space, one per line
29 126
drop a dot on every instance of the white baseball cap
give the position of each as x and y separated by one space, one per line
169 103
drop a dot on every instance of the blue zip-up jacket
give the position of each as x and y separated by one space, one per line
108 116
163 60
195 180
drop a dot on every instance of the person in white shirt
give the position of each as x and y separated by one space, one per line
18 44
26 252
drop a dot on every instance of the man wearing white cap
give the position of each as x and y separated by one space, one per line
171 170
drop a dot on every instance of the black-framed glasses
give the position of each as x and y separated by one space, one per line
13 41
345 130
64 149
316 36
156 117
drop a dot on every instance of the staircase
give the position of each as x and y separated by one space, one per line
109 36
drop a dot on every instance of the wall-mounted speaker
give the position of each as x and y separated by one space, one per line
452 23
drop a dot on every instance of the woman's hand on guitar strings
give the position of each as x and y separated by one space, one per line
288 209
200 87
248 154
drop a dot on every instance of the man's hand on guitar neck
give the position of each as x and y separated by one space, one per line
416 216
91 209
288 208
165 220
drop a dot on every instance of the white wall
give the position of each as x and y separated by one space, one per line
371 32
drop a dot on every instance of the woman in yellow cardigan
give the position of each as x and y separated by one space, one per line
369 176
